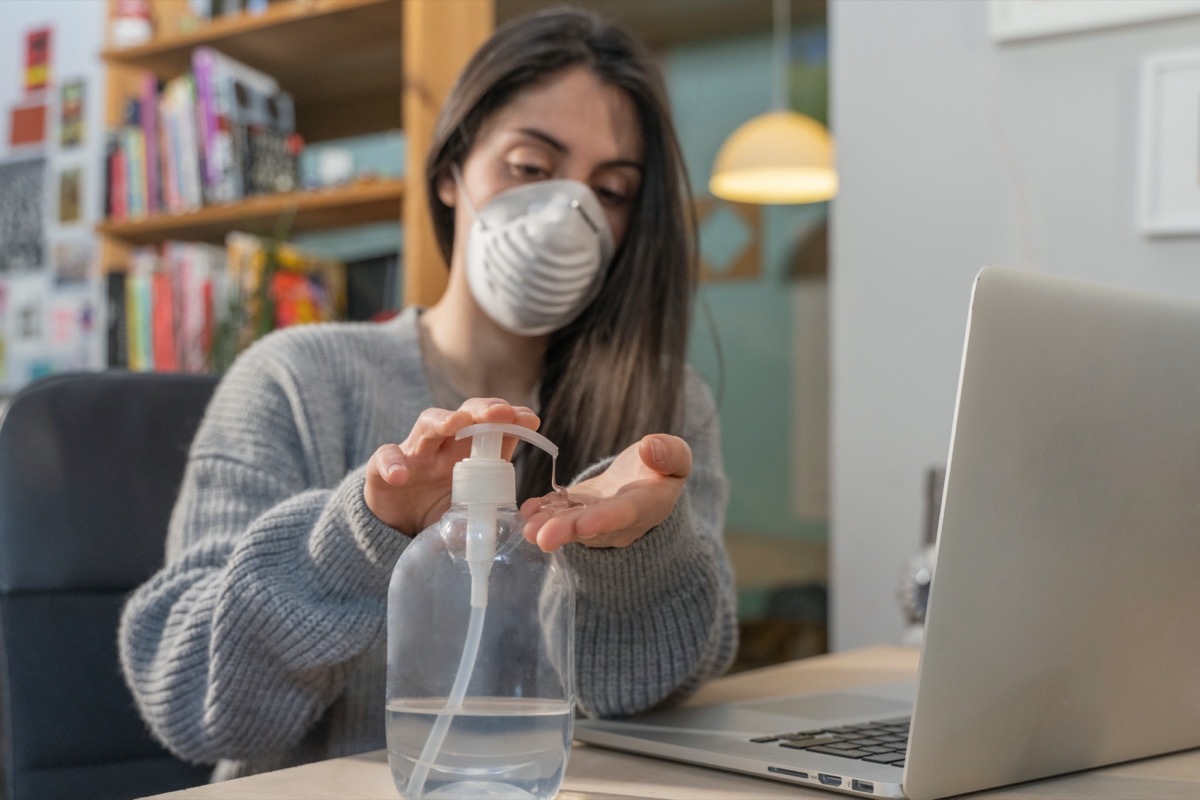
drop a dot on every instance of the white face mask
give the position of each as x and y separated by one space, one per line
536 254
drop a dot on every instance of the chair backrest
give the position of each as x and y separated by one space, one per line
90 465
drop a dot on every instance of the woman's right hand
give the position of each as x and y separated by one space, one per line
408 484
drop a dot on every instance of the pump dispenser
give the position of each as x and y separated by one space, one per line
480 672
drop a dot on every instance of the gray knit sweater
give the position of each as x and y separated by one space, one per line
260 644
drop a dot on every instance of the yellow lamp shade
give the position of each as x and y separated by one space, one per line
778 157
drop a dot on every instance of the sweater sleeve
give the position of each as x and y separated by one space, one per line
658 618
276 578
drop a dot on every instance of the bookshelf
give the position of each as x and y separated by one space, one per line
353 67
338 207
339 59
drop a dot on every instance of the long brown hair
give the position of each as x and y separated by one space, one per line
616 373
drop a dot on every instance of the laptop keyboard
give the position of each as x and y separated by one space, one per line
883 742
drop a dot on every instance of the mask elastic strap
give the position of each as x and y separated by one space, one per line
578 206
458 179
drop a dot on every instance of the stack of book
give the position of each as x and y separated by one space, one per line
218 133
192 307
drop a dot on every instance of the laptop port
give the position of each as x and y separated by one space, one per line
792 772
829 780
862 786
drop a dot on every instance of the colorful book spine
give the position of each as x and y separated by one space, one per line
138 302
117 193
163 332
115 321
149 122
172 200
112 146
189 144
134 145
206 111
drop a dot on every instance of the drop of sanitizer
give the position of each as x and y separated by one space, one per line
562 501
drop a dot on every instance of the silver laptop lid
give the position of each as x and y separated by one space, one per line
1061 632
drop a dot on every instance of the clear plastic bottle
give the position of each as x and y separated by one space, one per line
480 664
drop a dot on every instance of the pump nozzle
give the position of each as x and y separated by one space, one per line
484 433
484 482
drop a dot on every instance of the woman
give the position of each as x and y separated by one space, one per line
260 643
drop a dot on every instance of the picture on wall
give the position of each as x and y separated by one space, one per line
70 114
27 124
24 329
70 195
26 306
71 258
1169 185
22 227
37 59
1010 20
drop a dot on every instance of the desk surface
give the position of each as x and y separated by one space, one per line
598 774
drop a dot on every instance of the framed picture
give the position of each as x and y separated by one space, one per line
70 195
1169 180
70 113
1010 20
22 215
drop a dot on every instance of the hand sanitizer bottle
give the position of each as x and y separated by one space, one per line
480 650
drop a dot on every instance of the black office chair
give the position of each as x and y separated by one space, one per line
90 464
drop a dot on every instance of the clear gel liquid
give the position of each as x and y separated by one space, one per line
563 501
495 749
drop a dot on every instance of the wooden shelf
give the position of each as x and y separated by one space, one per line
356 204
339 59
352 67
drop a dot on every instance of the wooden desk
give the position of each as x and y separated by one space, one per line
597 774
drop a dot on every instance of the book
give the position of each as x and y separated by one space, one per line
164 334
232 98
117 196
197 271
133 148
168 156
138 303
115 321
189 155
219 133
133 144
148 118
206 121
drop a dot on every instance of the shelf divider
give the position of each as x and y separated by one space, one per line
360 203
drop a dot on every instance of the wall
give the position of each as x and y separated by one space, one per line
714 87
954 152
761 341
65 310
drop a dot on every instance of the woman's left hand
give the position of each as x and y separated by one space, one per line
637 491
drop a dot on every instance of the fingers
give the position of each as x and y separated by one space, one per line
611 520
390 464
666 455
432 428
435 425
387 470
407 483
608 524
538 511
635 493
493 409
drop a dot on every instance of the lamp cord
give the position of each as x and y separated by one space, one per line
779 52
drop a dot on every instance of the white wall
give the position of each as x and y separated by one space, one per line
954 152
76 41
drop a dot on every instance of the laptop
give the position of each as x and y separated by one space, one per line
1060 633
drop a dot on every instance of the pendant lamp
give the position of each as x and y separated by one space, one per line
780 156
